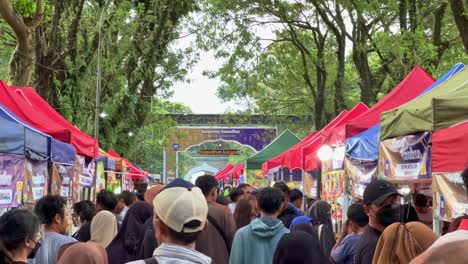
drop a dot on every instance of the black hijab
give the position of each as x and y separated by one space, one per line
299 247
125 246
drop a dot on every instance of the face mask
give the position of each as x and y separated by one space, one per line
34 251
388 214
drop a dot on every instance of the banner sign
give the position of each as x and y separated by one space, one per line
100 177
219 152
112 181
11 180
85 171
255 137
449 195
406 157
36 179
62 177
360 174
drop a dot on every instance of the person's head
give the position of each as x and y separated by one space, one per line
421 203
400 243
222 200
270 201
19 235
82 212
180 214
243 213
247 189
408 214
209 186
305 227
124 199
453 253
51 212
299 247
321 211
103 228
357 218
285 191
78 253
236 195
456 223
296 197
382 204
105 200
309 202
300 219
464 176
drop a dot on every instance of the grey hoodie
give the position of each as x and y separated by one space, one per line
175 254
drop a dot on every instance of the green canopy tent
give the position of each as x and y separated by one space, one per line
418 114
279 145
452 108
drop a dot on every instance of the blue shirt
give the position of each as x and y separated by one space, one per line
344 252
50 246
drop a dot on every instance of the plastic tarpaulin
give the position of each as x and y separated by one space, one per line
449 149
365 145
31 108
417 115
280 144
413 85
59 152
310 158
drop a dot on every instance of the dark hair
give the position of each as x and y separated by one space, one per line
222 200
48 207
408 214
86 215
235 194
82 206
107 200
282 187
270 200
456 223
243 213
295 194
206 183
16 226
128 197
140 196
243 185
185 238
420 200
357 215
464 176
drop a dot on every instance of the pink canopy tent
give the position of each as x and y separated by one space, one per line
236 171
223 170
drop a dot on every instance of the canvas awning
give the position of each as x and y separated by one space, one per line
449 149
417 115
283 142
413 85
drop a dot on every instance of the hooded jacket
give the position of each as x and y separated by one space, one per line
256 242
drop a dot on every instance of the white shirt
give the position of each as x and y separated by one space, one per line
458 235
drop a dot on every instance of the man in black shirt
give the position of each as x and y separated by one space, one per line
381 204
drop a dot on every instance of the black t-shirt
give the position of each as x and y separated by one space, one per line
84 233
366 246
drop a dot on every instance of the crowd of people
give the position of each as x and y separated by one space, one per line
197 223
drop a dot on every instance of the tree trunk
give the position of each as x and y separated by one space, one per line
461 19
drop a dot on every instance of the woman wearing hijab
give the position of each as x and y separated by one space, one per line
400 243
103 228
299 247
126 245
84 253
320 211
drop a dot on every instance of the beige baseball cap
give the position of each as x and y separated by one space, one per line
178 206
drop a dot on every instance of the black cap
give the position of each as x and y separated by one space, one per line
377 191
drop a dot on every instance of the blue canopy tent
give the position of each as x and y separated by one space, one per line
37 145
365 145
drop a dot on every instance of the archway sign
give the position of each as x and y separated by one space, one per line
191 150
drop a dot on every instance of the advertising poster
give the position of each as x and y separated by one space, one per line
84 171
100 177
36 178
449 196
112 181
127 183
360 173
62 177
406 157
11 180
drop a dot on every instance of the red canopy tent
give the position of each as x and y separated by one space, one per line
408 89
337 135
223 170
237 171
136 173
309 159
449 149
30 107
